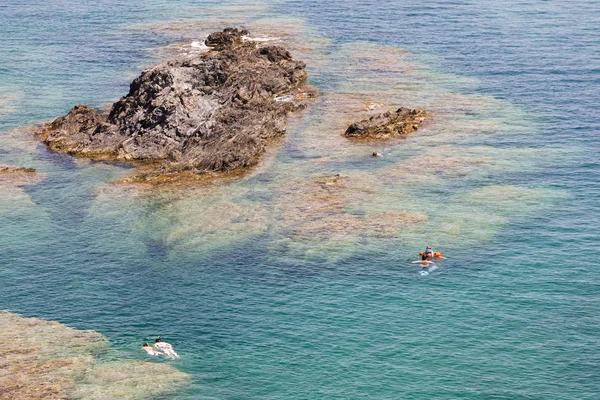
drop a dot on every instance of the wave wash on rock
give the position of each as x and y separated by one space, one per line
211 113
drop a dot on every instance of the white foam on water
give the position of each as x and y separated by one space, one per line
257 39
199 45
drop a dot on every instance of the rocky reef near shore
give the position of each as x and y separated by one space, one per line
215 112
388 124
19 176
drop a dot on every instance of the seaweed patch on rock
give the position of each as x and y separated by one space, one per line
216 112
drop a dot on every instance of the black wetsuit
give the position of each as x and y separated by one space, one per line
425 253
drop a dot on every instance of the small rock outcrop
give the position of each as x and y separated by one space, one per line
12 170
213 113
388 124
18 176
226 40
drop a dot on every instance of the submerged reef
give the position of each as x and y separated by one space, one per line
388 124
323 209
18 176
47 360
214 112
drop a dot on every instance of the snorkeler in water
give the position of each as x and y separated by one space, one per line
427 254
150 350
384 153
166 348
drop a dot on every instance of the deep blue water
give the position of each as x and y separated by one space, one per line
512 314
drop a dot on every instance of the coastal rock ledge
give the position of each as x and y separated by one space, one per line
388 124
215 112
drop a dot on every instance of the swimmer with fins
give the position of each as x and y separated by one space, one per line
427 257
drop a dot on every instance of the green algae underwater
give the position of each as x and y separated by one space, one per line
293 281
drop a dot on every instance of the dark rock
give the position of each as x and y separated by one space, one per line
391 123
275 53
215 112
10 169
82 131
226 40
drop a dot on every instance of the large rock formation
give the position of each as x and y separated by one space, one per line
392 123
214 112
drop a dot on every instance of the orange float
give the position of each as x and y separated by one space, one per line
436 254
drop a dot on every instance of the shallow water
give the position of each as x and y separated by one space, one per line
292 282
45 359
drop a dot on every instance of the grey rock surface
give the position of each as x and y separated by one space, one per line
215 112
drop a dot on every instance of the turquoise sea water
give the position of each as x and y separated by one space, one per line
278 287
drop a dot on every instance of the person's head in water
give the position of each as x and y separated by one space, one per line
157 340
146 344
